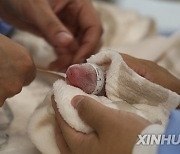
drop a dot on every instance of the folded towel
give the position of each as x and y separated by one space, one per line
123 83
125 90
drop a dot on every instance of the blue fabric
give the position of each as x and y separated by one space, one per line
5 28
173 128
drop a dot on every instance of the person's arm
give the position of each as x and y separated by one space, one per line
16 68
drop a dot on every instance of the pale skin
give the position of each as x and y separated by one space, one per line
71 26
114 131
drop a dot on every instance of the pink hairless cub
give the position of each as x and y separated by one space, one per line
88 77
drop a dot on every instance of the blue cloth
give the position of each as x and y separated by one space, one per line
173 128
5 28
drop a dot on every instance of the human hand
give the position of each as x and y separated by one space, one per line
83 22
16 67
114 130
72 27
153 72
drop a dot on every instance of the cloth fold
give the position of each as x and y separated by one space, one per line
123 83
125 90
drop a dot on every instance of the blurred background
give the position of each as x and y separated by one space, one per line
165 12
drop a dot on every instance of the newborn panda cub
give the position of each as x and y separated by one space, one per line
88 77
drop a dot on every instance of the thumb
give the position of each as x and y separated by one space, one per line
51 26
91 112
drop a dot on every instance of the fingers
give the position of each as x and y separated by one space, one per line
89 44
71 137
67 131
91 30
30 72
138 65
62 63
128 59
72 48
91 112
53 29
61 143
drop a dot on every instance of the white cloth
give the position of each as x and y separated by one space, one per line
122 28
125 90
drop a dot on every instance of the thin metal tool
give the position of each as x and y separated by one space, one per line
59 74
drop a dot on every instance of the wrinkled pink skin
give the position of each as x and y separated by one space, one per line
84 77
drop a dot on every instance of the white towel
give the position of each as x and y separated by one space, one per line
125 90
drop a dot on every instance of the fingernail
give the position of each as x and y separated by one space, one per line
76 100
63 38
